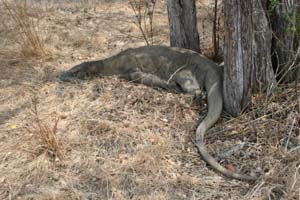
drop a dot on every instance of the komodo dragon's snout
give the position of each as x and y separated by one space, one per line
77 72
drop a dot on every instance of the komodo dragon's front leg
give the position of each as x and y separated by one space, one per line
153 81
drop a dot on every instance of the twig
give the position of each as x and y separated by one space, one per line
172 75
141 16
289 136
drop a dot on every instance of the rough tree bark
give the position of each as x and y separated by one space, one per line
264 77
246 53
183 24
285 20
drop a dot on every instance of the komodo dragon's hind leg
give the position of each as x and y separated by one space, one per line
153 81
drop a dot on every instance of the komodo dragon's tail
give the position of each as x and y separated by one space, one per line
215 105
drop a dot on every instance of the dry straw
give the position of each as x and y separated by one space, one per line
23 29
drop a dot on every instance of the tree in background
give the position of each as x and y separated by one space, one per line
285 21
183 24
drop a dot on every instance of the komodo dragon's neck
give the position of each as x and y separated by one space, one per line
109 66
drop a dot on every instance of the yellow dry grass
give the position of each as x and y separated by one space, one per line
21 26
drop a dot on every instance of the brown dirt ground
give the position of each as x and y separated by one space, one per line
119 140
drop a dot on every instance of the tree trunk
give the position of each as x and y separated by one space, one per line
264 77
214 33
237 55
183 24
246 53
285 20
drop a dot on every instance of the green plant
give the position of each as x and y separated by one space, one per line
293 19
272 4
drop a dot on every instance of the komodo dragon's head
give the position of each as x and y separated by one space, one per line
80 71
187 81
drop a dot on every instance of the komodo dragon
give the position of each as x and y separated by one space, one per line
173 69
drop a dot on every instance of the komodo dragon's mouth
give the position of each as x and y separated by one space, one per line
65 76
68 76
179 88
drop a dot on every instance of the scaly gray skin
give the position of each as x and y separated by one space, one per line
154 66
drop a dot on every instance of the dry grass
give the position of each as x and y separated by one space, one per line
23 29
119 140
278 125
45 136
